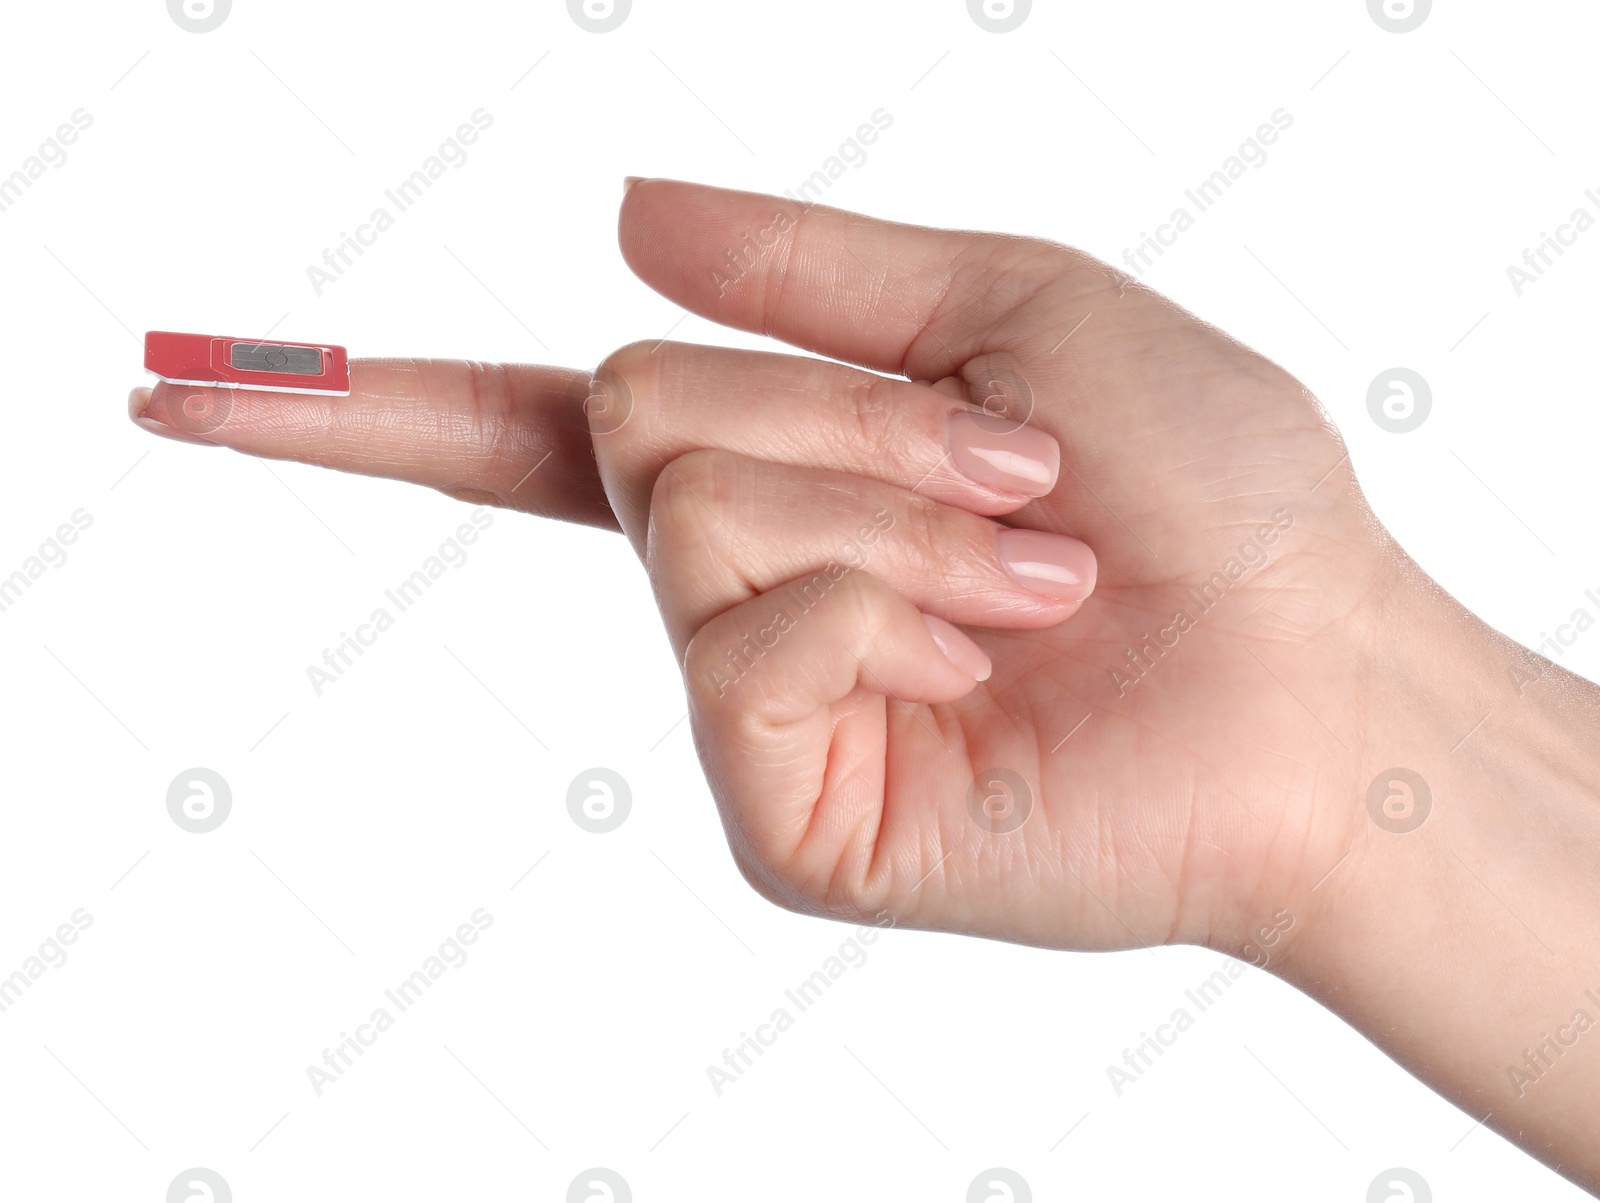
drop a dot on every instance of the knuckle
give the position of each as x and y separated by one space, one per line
1030 257
863 607
498 441
773 883
627 380
698 660
691 497
871 427
716 662
924 541
834 890
864 597
628 360
1007 273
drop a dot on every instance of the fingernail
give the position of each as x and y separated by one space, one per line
959 649
1057 566
1001 454
629 181
138 410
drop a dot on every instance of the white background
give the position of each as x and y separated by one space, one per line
369 822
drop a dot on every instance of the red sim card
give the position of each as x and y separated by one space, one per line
277 367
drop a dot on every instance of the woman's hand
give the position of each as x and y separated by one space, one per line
1166 746
1149 532
1201 695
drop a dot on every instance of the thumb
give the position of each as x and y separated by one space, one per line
903 299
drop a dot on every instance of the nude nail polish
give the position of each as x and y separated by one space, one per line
1001 454
1057 566
959 649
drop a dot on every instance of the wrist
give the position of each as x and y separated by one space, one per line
1457 927
1475 770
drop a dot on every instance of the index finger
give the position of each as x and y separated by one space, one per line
513 435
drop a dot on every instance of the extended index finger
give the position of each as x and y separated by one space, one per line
514 435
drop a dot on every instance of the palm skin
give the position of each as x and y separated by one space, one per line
1190 802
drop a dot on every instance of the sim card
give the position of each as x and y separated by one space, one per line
278 367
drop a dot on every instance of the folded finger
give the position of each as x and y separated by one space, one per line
672 398
725 528
768 730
